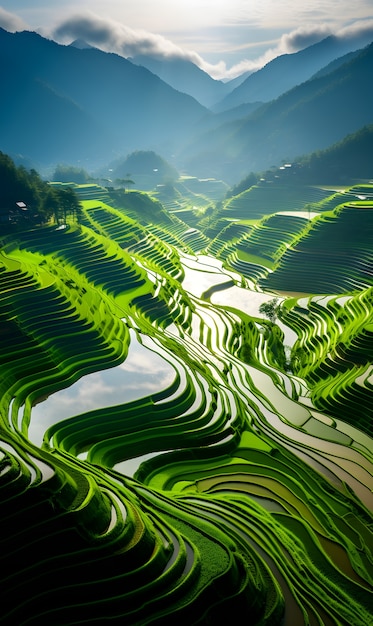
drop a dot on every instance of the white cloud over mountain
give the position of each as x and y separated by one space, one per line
112 35
11 21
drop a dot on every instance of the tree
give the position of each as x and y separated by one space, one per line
145 162
51 205
68 202
61 203
270 309
22 195
250 180
124 182
70 174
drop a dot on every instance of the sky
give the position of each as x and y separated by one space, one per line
223 37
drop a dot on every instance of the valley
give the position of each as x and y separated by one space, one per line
186 332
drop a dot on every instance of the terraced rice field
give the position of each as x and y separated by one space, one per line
168 455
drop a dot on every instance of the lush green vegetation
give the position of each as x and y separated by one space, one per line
70 173
146 163
233 474
349 159
26 200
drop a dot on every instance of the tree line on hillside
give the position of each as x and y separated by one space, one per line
27 201
118 173
69 173
347 160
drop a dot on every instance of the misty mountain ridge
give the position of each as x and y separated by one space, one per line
288 70
187 77
265 84
309 117
336 63
80 44
62 102
347 160
83 106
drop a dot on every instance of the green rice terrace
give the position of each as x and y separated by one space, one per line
187 410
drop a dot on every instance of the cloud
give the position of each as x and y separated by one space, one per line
110 35
11 22
306 36
144 361
361 28
220 71
113 36
302 38
288 43
359 33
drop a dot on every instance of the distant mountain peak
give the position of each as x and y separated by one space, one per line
289 70
132 109
80 44
185 76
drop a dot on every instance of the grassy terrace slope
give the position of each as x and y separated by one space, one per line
228 477
334 255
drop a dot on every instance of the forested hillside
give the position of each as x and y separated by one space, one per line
26 200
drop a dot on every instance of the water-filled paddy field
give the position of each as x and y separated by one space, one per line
167 451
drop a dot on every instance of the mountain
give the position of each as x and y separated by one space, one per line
87 107
66 103
347 162
309 117
80 44
186 77
349 159
39 123
288 70
147 168
333 65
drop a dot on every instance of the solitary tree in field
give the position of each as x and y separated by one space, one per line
270 309
124 182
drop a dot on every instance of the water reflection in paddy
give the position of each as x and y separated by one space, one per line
203 272
144 372
249 302
243 299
